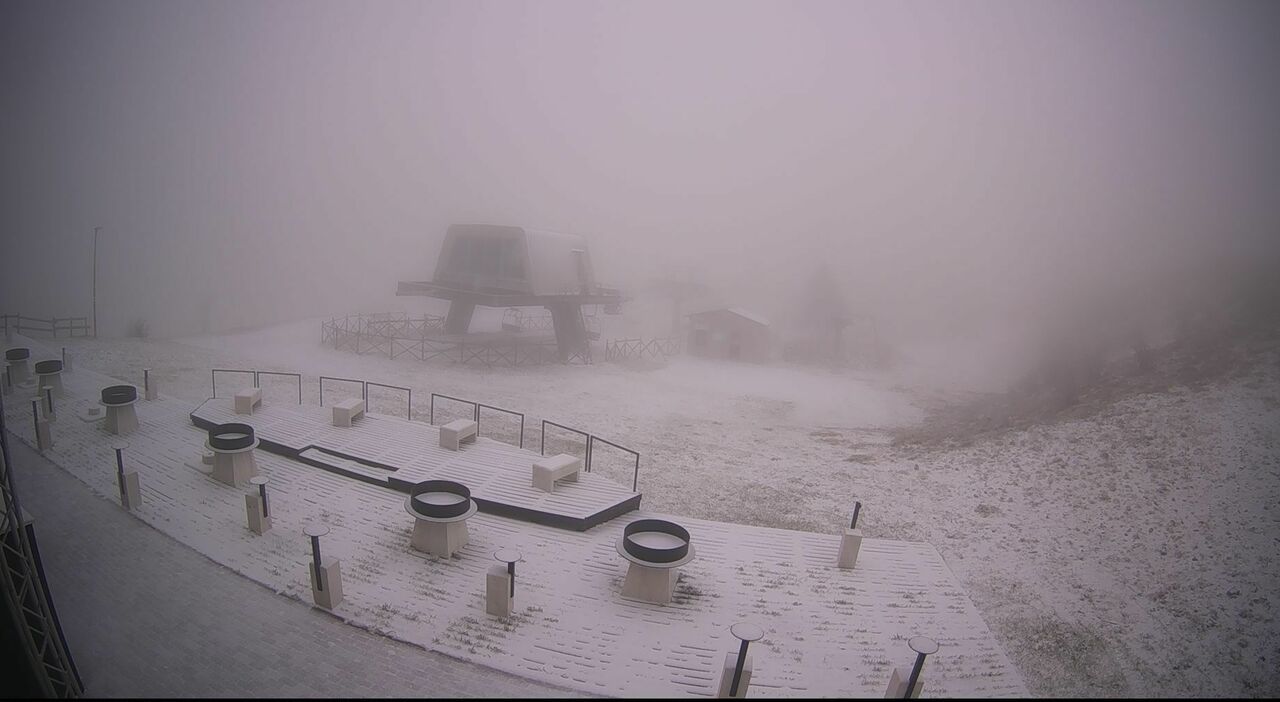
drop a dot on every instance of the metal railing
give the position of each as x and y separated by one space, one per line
475 408
295 376
35 626
20 324
364 389
213 376
635 473
590 449
481 405
408 405
542 447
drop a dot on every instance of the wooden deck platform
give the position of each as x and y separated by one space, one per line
398 453
829 632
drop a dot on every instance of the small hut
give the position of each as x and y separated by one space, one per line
731 333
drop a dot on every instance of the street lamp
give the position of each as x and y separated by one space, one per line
95 281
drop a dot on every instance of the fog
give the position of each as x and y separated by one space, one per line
969 172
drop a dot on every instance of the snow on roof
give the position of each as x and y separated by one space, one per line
752 316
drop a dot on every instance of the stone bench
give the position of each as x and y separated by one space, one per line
546 471
346 411
457 432
247 399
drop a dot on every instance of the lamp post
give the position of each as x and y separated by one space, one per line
95 281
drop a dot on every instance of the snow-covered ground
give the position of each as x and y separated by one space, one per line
1129 553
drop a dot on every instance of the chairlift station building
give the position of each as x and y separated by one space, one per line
504 266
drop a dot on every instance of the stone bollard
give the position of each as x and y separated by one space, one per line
49 374
148 387
326 573
233 446
851 541
19 360
901 681
127 481
735 673
256 505
118 401
44 437
500 583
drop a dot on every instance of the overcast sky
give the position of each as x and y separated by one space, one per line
949 160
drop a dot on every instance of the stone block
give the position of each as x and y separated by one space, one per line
497 599
646 584
259 523
326 586
898 684
441 539
726 676
130 493
234 468
850 544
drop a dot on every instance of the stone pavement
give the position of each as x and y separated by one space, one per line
147 616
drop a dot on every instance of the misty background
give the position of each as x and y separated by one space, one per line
971 173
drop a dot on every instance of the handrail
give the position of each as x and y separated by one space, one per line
475 411
364 390
542 449
408 408
213 377
499 409
298 376
635 474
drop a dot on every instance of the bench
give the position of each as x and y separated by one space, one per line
247 399
347 410
457 432
546 471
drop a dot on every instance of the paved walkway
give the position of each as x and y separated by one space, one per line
146 616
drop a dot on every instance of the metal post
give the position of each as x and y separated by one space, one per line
923 646
146 381
853 523
315 558
509 556
35 416
95 281
737 669
48 396
262 492
746 633
120 465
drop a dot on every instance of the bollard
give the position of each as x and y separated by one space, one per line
500 583
850 541
66 360
911 687
326 575
44 438
735 674
130 493
258 508
149 391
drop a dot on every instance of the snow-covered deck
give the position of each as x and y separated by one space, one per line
396 453
829 632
